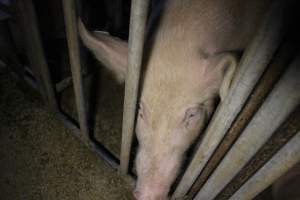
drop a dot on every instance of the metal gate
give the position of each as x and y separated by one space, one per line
254 133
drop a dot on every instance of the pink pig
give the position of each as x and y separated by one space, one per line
190 65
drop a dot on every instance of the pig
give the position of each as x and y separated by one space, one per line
190 64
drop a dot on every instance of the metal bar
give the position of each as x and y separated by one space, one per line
68 82
74 56
31 81
14 64
136 43
98 148
275 143
95 147
252 66
264 86
77 77
63 84
285 159
36 53
281 102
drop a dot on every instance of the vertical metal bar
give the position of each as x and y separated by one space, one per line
281 102
252 66
285 159
74 56
139 10
35 51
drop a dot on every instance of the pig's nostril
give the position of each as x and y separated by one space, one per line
136 194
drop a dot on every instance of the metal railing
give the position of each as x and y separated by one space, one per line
139 10
262 105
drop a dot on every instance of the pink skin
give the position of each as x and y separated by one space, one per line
190 64
160 155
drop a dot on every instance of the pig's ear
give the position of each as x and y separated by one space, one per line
228 64
110 51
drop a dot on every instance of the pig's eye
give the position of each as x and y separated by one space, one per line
140 114
193 116
141 110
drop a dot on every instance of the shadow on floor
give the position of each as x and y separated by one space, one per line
40 159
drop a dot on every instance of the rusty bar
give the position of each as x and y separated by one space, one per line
74 56
36 52
138 18
276 142
279 104
285 159
251 67
264 86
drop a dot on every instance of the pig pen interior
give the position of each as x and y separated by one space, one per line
40 159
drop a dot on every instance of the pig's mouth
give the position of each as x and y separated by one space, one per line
149 195
151 198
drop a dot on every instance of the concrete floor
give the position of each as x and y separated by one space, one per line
41 159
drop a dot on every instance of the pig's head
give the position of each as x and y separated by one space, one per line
178 97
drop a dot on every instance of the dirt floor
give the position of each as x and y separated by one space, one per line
106 108
41 159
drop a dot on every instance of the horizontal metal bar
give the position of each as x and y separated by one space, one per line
92 145
31 81
285 159
139 13
281 102
62 85
251 67
67 82
106 155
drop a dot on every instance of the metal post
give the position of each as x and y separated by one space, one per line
139 10
74 56
285 159
252 66
35 50
282 135
264 86
281 102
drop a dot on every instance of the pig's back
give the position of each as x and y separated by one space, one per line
211 25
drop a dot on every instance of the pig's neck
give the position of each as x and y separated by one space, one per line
213 26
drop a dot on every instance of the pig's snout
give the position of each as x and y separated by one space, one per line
156 172
149 195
